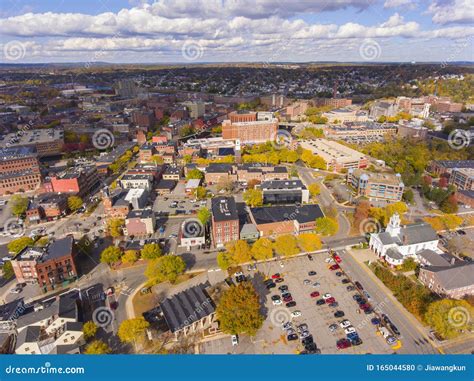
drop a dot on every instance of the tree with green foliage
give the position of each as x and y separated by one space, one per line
151 251
238 310
97 347
286 245
262 249
309 242
194 174
19 244
253 197
19 205
449 317
326 226
89 329
111 255
167 268
409 264
7 270
200 193
133 331
408 196
74 203
204 215
224 260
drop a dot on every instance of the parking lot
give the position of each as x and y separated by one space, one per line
271 338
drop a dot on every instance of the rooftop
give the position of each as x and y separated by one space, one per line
282 184
303 214
454 277
12 153
224 209
331 151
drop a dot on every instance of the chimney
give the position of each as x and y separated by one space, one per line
453 260
405 239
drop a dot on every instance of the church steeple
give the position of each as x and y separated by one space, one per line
393 227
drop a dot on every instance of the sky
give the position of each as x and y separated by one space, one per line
195 31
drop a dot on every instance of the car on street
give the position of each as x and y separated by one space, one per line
345 281
332 327
327 296
391 340
320 302
290 304
292 337
302 327
349 330
316 284
334 267
375 321
283 287
234 340
312 273
345 324
287 299
339 314
276 297
16 290
358 285
270 285
394 329
337 258
330 300
366 294
343 344
314 294
275 276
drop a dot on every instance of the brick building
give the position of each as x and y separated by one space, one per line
80 180
376 186
225 221
259 131
19 170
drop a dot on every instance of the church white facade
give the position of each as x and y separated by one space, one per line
397 242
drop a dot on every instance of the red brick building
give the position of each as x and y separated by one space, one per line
19 170
225 221
250 132
79 180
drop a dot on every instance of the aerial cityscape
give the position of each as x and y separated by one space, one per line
236 177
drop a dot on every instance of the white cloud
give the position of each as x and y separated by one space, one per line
410 4
452 11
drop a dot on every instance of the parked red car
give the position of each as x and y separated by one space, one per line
276 276
330 300
337 258
343 344
314 294
334 267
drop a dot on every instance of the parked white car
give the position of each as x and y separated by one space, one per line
277 302
349 330
296 314
235 340
345 324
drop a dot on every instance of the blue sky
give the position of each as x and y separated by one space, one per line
236 30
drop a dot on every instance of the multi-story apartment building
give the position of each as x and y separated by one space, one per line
345 115
225 221
376 186
446 167
284 192
143 181
250 132
47 142
337 156
140 223
462 178
19 170
49 266
80 180
333 102
456 281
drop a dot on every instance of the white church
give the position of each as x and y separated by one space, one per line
397 243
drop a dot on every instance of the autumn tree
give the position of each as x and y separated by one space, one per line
130 256
309 242
151 251
239 251
74 203
111 255
224 260
449 317
253 197
97 347
19 244
194 174
132 331
200 193
238 310
166 268
326 226
286 245
19 204
115 227
89 329
7 270
262 249
314 189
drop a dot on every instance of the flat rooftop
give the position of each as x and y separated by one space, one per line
331 151
30 137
